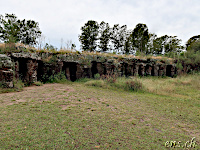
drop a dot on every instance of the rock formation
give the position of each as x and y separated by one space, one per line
32 67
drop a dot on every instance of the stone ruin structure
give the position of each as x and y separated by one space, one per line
6 72
32 67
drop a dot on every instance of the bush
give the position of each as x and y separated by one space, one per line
97 76
38 83
56 78
179 66
134 85
110 77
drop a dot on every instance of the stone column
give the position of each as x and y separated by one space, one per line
136 68
67 72
162 70
142 69
148 69
156 69
16 70
100 68
31 75
6 78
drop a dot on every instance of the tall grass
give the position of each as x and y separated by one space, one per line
121 83
172 86
156 85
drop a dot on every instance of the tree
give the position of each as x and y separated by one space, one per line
118 37
140 37
104 36
128 43
172 44
158 45
150 43
193 43
49 47
15 30
166 44
89 36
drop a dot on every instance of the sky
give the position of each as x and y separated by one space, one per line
63 19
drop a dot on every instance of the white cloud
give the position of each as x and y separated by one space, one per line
64 18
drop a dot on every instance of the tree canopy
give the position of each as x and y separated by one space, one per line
102 37
16 30
193 43
140 37
89 36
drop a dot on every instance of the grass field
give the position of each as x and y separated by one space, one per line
85 116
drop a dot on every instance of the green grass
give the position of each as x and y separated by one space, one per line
18 86
78 116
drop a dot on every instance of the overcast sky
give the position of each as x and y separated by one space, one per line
64 18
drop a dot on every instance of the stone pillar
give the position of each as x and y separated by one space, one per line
142 69
108 68
16 70
129 70
173 70
6 73
136 69
162 70
132 70
156 69
148 69
31 75
59 68
67 72
100 68
87 73
6 78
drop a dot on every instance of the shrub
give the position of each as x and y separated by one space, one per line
38 83
179 66
97 76
55 78
134 85
110 77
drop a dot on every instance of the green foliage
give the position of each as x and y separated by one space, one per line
18 86
118 37
83 80
134 85
104 37
190 57
112 82
120 40
13 30
38 83
193 44
166 44
179 66
140 37
97 76
55 78
51 48
110 77
89 36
